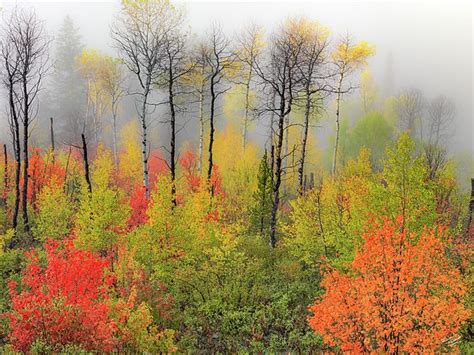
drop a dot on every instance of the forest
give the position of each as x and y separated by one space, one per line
254 192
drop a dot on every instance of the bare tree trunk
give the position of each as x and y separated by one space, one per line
336 141
67 170
470 221
272 146
86 163
15 128
114 135
144 127
173 137
287 135
201 128
304 142
247 108
51 126
286 150
17 150
5 172
278 173
263 199
26 121
211 137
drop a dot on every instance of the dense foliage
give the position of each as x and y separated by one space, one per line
197 276
401 295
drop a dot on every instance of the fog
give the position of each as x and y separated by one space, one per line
422 44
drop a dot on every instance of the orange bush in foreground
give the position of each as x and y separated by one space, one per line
400 296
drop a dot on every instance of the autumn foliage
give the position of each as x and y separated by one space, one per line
401 295
138 205
189 164
215 194
64 302
42 170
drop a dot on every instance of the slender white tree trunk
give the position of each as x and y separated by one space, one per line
247 108
338 126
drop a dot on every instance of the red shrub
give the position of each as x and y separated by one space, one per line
64 302
139 205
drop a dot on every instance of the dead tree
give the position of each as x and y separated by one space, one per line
5 172
440 119
436 158
51 128
10 79
113 81
314 74
409 108
219 60
250 47
86 163
139 34
278 73
30 45
175 66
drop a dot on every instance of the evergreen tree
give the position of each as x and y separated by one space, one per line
262 209
68 87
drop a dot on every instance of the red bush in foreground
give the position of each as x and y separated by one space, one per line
63 302
402 297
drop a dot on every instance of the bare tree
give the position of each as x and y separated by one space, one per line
250 46
139 34
279 75
409 107
219 59
440 119
196 82
26 38
113 81
200 89
436 158
314 74
5 173
10 80
175 67
85 157
51 132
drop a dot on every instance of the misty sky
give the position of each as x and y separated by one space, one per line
430 42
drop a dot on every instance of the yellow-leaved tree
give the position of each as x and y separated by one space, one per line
347 58
90 64
326 220
239 174
102 213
